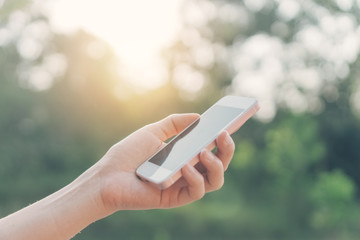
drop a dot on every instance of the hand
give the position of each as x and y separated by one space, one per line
111 185
120 188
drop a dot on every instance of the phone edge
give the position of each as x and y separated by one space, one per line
231 129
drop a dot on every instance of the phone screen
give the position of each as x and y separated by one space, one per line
190 142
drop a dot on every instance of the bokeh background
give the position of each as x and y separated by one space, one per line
78 76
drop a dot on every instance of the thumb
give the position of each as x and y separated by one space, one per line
172 125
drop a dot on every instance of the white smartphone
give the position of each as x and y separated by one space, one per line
164 167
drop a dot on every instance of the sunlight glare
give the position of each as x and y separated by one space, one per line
137 30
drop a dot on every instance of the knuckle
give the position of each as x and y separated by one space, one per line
220 184
231 145
200 194
216 166
201 189
171 116
217 185
150 126
219 165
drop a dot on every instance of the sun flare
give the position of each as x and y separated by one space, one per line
137 30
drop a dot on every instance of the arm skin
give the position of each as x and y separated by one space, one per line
111 185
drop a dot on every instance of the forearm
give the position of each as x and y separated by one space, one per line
60 215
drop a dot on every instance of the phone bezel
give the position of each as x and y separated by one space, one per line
163 177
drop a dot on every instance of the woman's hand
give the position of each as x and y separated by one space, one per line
121 189
111 185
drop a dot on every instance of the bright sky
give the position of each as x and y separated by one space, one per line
137 30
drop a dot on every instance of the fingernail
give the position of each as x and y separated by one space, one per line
228 139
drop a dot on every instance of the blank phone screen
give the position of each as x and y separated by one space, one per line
196 137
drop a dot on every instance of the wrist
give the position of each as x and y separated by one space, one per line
107 181
78 204
61 215
88 190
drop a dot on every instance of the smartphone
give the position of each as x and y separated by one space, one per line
164 167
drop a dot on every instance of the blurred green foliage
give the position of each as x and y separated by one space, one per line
294 176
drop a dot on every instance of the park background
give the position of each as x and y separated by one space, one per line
67 95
